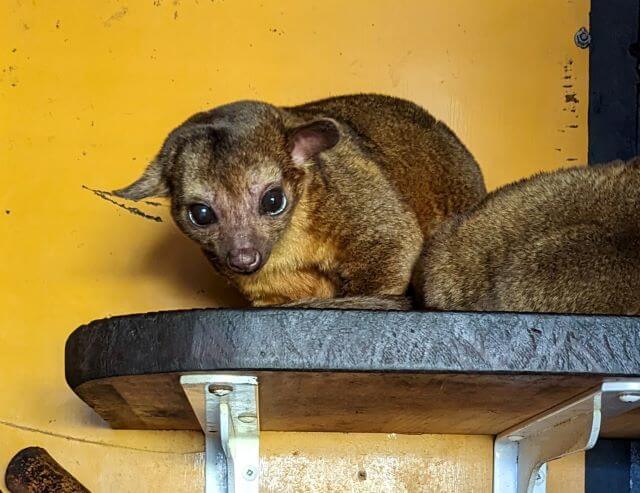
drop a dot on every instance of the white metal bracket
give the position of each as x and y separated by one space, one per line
227 408
521 452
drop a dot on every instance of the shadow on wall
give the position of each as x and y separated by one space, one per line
174 260
180 263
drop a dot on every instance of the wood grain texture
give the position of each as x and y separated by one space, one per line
33 470
403 372
347 402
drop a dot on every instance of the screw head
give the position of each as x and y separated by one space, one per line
541 476
250 473
629 397
247 417
220 390
582 38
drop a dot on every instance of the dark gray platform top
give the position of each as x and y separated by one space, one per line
328 340
487 355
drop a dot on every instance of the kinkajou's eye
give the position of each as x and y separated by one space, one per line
201 215
273 202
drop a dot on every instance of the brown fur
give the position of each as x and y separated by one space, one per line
383 303
562 242
367 178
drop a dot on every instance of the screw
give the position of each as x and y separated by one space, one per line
629 397
582 38
249 473
220 390
515 438
247 417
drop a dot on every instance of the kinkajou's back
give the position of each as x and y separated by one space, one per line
563 242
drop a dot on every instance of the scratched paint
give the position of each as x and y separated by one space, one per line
376 463
573 111
88 91
110 197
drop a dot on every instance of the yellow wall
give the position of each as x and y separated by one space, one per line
88 89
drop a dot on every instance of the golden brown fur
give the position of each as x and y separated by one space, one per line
366 177
287 276
562 242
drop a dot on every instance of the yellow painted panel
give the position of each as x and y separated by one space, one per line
330 462
291 462
566 474
104 468
88 90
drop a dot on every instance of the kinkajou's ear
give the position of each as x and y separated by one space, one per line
310 139
152 183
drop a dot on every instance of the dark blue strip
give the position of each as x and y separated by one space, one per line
613 80
608 467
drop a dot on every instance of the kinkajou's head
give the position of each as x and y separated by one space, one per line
234 175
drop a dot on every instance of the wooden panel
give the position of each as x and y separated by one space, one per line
623 426
353 371
343 340
348 402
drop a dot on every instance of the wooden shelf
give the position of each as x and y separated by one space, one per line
354 371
